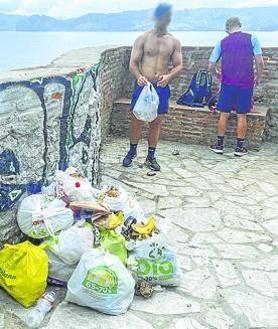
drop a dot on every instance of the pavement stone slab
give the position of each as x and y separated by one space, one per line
166 303
71 316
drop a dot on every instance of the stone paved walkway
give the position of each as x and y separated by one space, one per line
224 212
225 223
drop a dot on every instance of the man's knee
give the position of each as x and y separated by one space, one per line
224 115
157 122
242 119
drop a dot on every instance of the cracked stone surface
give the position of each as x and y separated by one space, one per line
224 214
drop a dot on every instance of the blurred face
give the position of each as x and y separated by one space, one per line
164 21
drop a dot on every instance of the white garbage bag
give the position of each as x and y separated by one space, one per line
117 202
41 215
59 272
101 282
70 186
124 202
156 260
146 106
133 209
71 244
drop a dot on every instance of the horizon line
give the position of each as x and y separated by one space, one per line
127 11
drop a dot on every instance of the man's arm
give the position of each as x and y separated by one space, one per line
213 60
258 54
135 60
177 61
259 69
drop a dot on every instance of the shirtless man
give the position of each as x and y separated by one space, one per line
151 55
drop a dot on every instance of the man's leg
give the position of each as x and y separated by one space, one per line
241 134
222 124
225 105
244 106
221 131
241 126
135 136
135 130
153 138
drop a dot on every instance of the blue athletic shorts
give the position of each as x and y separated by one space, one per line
164 95
235 98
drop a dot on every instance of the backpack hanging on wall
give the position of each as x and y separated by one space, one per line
199 91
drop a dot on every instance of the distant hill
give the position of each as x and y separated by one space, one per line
203 19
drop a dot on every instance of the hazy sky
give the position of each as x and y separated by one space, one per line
73 8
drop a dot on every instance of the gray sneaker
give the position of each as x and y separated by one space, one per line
217 149
240 152
152 164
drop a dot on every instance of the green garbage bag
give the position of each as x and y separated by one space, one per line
114 243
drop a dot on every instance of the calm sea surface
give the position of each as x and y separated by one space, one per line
26 49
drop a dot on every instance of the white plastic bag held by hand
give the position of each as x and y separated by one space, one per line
101 282
146 106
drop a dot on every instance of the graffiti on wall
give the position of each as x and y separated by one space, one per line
47 124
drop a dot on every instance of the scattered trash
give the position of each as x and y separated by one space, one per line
176 152
95 242
144 288
101 282
23 272
38 313
151 173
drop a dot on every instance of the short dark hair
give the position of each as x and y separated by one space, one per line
232 23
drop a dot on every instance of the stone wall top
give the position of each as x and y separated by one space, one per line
65 64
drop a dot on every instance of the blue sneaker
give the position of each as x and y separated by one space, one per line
218 149
127 162
152 164
240 152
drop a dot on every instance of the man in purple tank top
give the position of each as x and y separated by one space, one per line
237 52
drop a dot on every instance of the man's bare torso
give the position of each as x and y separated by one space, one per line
157 53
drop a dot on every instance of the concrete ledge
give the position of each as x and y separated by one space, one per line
193 125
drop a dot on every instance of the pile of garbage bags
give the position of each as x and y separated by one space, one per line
96 242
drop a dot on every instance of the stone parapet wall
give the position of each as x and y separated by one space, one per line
191 126
196 58
46 124
114 77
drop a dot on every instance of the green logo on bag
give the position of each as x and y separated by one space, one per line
153 270
156 266
101 280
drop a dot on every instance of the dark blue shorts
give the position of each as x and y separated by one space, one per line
164 95
235 98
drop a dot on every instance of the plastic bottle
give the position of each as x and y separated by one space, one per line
37 314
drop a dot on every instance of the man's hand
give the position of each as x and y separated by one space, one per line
164 80
142 81
258 81
218 75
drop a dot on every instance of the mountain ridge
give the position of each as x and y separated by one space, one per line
201 19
